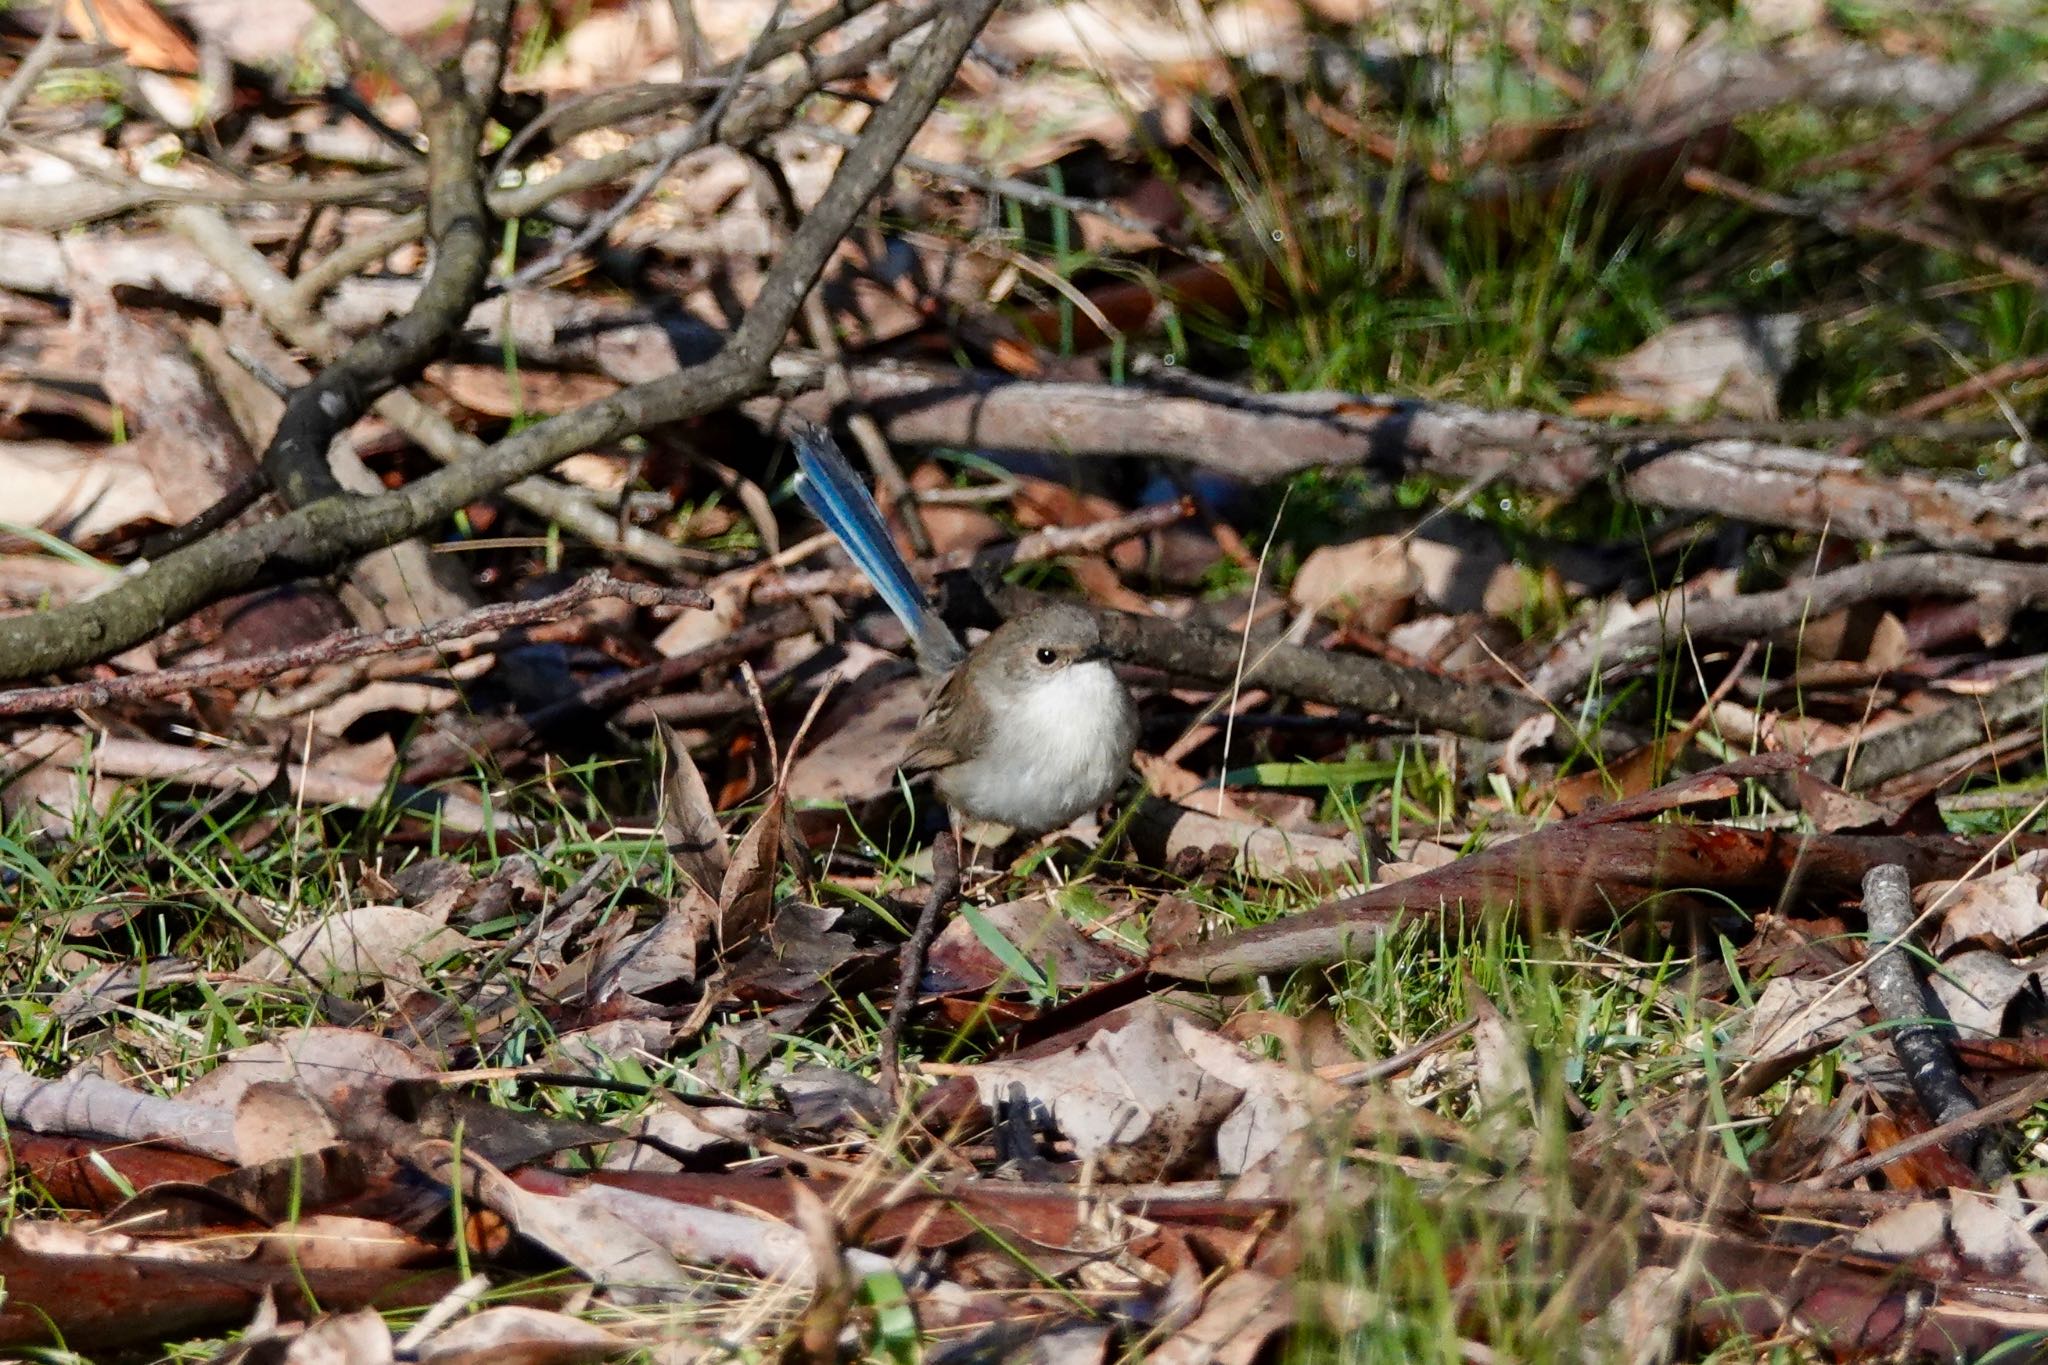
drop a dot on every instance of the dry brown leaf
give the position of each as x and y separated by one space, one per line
515 1335
862 737
1238 1318
278 1119
612 1252
665 953
180 429
746 897
1278 1103
1637 1327
1500 1056
1795 1015
328 1062
960 961
689 824
358 1338
696 629
494 391
77 492
371 943
2000 909
338 1242
1970 1235
1975 987
1370 582
1131 1097
1165 831
1724 362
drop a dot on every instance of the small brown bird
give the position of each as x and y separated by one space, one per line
1029 729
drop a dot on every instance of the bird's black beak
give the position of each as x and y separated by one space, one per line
1094 653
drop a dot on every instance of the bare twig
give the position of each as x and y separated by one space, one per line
910 962
2017 105
398 59
459 224
602 108
39 59
1977 385
280 305
441 757
2001 588
1995 1111
751 118
1850 220
600 225
258 668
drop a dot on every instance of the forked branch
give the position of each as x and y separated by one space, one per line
330 530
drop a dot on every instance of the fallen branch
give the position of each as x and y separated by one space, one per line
1903 1001
259 668
1266 436
1376 686
1566 875
2000 588
1848 220
1956 729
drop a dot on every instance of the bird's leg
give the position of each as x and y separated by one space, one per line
979 837
945 889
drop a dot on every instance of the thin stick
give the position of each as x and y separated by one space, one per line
32 67
1855 218
1244 649
945 886
1999 1110
334 648
1009 187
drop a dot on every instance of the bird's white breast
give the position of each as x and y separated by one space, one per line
1059 748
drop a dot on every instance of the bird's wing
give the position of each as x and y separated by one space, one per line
939 739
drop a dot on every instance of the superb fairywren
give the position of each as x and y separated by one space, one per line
1028 729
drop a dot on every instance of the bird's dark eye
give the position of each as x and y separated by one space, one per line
1046 656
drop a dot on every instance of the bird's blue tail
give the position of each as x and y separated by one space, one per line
836 495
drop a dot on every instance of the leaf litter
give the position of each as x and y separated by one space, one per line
546 959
